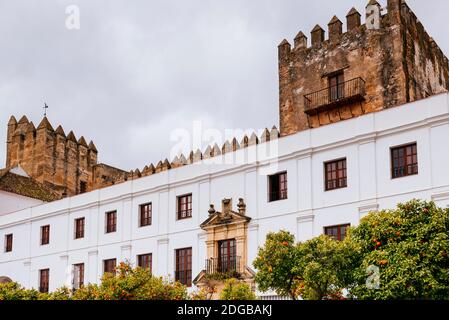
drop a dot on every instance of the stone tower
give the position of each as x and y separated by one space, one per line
51 157
388 61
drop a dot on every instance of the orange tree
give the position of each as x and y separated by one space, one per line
409 247
314 270
276 262
132 284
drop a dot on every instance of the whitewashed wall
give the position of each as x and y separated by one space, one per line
11 202
364 141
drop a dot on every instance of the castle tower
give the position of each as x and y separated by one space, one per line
388 61
51 157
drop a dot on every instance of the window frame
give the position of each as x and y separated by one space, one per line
44 281
79 234
337 90
148 220
413 145
339 233
282 193
9 239
141 258
111 261
111 228
81 275
187 213
338 177
186 271
45 236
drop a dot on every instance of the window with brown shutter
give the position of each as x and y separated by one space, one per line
144 261
45 235
337 232
145 215
111 221
78 276
335 174
277 187
8 242
184 206
109 266
79 228
336 87
44 280
183 272
404 161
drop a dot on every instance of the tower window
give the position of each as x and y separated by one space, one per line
336 87
83 187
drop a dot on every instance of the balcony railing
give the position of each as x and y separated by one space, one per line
350 91
228 265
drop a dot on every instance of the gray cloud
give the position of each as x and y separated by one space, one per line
137 70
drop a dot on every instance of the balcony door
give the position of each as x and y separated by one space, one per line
336 87
227 259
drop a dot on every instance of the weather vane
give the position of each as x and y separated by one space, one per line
45 109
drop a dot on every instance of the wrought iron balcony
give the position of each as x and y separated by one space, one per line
348 92
225 265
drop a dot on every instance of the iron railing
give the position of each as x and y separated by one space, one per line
228 265
344 93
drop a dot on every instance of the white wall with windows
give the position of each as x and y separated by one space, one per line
365 142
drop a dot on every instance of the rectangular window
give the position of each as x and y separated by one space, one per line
109 266
337 232
183 272
83 187
79 228
227 259
44 280
145 215
8 242
335 174
78 276
144 261
45 235
184 206
336 87
111 221
277 187
404 161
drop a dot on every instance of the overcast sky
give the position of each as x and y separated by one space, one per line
137 70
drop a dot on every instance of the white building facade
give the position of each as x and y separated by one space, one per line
365 143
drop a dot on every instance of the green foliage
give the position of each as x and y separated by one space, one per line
316 269
14 291
276 263
410 246
236 290
127 284
323 265
132 284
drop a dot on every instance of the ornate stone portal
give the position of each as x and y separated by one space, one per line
227 243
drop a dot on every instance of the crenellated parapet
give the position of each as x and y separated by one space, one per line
211 151
51 157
